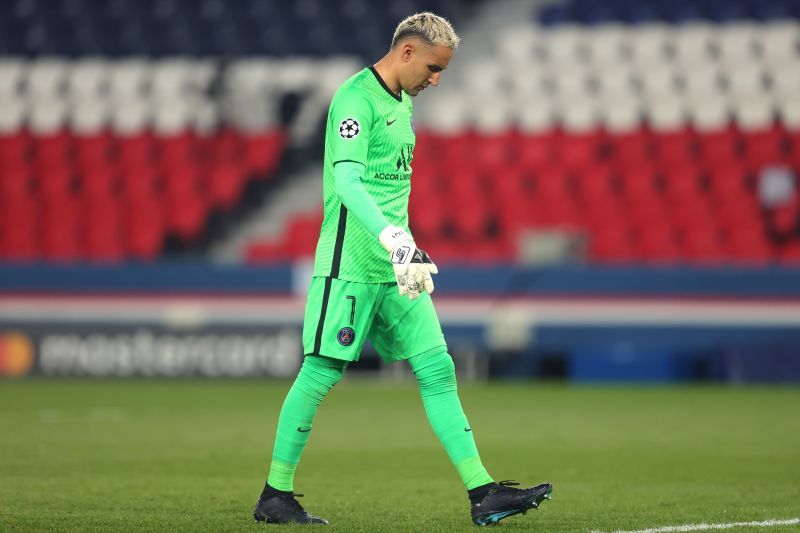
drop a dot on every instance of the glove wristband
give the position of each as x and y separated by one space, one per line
393 236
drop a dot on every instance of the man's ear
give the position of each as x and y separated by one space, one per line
407 51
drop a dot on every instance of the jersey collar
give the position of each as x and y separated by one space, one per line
397 97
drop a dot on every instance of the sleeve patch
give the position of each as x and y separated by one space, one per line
349 128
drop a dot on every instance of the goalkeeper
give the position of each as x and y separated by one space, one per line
371 281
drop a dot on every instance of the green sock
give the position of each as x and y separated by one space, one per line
317 377
436 375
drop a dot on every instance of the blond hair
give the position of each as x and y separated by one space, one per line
431 28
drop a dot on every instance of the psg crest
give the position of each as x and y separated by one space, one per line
346 336
349 128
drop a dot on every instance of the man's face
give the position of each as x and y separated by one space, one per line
423 65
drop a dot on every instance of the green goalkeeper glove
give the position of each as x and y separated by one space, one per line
412 266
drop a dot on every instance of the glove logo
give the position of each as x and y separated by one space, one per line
349 128
400 255
346 336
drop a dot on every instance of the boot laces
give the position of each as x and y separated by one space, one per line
290 499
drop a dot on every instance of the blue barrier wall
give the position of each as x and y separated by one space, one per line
498 281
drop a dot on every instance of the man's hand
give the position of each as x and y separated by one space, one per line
412 266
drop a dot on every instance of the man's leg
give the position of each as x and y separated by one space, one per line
491 502
436 377
403 327
317 377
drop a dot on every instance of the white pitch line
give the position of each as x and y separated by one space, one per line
704 527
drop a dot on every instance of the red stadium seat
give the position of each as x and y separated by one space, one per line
536 152
302 235
16 180
682 183
103 236
749 245
728 182
494 153
136 151
612 242
55 183
185 215
14 148
638 183
674 149
596 184
262 151
226 183
578 151
19 221
763 148
631 151
143 228
92 151
98 182
140 182
719 148
53 150
61 230
658 243
703 244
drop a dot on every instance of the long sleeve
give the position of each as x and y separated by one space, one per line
348 176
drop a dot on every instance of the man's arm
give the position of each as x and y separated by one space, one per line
349 186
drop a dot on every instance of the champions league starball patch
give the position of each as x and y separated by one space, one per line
349 128
346 336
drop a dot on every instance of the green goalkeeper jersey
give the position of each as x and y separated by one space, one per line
367 124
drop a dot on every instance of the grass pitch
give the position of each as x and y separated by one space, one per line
188 455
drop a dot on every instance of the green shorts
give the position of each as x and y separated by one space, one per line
341 315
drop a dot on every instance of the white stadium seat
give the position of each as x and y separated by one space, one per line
754 114
170 79
647 44
606 45
170 117
579 116
570 82
691 44
295 75
527 85
789 111
785 79
204 117
129 79
747 80
701 81
447 113
779 41
659 80
564 44
709 114
46 78
88 116
12 74
536 118
518 44
735 44
130 117
614 80
483 76
493 117
88 78
665 113
621 115
13 112
47 117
